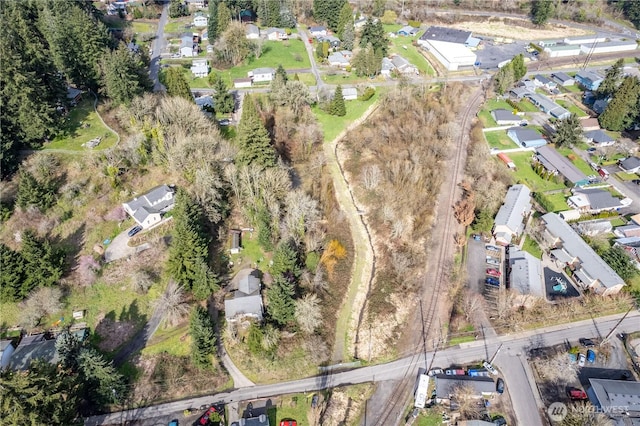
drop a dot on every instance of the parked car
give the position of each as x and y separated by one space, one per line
476 237
493 261
492 248
499 421
594 166
224 122
288 422
455 372
592 149
204 419
581 360
591 356
524 124
587 343
489 368
314 401
500 386
173 423
435 371
492 281
133 231
493 272
576 394
636 181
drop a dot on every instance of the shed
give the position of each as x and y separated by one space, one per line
240 83
589 124
408 31
568 215
236 235
506 160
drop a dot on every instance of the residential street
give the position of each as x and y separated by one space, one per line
158 46
467 352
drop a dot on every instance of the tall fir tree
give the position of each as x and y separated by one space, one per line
518 66
222 99
35 192
337 106
224 17
345 18
103 384
611 80
328 11
373 33
125 75
43 263
269 12
568 131
348 36
12 274
202 337
212 23
623 108
541 11
281 308
280 71
177 84
253 138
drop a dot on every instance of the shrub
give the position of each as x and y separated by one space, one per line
367 94
414 24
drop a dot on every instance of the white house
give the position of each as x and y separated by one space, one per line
515 210
259 75
241 83
200 21
276 34
188 48
318 31
147 209
349 93
252 32
630 165
505 118
403 66
200 68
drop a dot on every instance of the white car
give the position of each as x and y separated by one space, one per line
493 261
581 360
489 368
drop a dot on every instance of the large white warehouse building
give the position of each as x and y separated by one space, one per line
449 46
609 47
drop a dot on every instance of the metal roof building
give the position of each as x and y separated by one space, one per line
552 160
516 207
526 273
612 395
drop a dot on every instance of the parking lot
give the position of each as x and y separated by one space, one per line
492 53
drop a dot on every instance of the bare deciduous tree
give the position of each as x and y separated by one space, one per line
270 337
371 176
301 213
470 405
87 268
141 281
40 303
471 304
308 313
171 304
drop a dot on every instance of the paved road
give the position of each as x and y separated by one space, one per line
158 46
312 59
408 366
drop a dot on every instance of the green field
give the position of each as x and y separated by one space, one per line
251 253
576 161
531 246
558 200
403 46
525 174
526 106
80 126
143 27
485 113
175 342
571 89
571 107
333 125
178 25
626 176
499 139
347 78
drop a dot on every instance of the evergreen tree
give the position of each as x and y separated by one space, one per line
177 84
43 263
177 9
204 281
368 62
328 11
378 8
541 11
286 261
281 308
504 79
125 75
202 337
103 384
345 18
224 18
623 108
190 245
68 347
373 33
265 230
337 106
282 73
12 274
611 80
34 192
518 67
212 23
568 131
253 138
269 12
631 10
348 36
222 99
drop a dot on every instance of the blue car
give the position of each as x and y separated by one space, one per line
591 356
133 231
492 281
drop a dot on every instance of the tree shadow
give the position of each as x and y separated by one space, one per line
132 313
72 245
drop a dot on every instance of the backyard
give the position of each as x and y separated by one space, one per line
498 139
576 160
81 125
404 47
531 246
525 174
571 107
485 113
332 125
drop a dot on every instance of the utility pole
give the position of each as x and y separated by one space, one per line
424 338
615 326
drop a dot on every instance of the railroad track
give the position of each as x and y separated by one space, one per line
393 413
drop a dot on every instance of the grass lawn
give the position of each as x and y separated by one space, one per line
294 407
143 27
81 125
347 78
525 174
305 77
572 108
571 89
429 419
576 161
558 201
10 314
485 113
175 342
618 221
461 339
526 106
499 139
333 125
403 46
178 25
251 252
626 176
531 246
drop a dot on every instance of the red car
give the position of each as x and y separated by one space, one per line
577 394
493 272
204 419
287 422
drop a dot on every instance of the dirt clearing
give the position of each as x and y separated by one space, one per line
499 28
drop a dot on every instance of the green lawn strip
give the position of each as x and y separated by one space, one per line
429 419
525 174
291 407
404 47
485 113
531 246
178 25
347 78
526 106
174 342
332 125
499 139
617 221
558 200
143 27
486 119
251 252
74 133
307 78
570 89
461 339
626 176
571 107
576 160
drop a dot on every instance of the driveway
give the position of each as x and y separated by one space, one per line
119 247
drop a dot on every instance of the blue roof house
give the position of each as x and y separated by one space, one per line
589 80
527 138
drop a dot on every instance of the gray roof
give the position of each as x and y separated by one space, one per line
630 163
338 57
387 65
31 348
152 202
544 80
547 105
504 115
517 204
263 71
72 92
317 29
248 282
400 62
600 105
599 136
616 393
4 344
187 41
589 75
408 29
520 91
526 273
252 29
575 246
553 158
329 39
561 77
525 135
448 385
275 30
246 298
617 43
261 420
450 35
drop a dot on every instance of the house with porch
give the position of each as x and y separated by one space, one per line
261 75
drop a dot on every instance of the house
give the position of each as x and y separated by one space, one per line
260 75
589 80
600 105
318 31
200 4
563 79
527 138
403 66
241 83
200 68
506 160
530 85
448 386
252 32
554 162
337 59
589 124
630 165
547 105
544 82
246 300
32 348
591 228
505 118
513 213
6 350
569 215
449 46
261 420
620 399
334 42
187 47
408 31
599 137
519 92
627 231
609 47
387 67
147 209
200 21
73 95
562 51
570 250
248 15
525 273
276 34
349 93
359 22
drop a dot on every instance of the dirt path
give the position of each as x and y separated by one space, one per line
364 256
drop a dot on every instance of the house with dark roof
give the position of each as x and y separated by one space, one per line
547 105
589 80
630 165
147 209
545 82
599 105
519 92
408 31
509 221
527 138
563 79
318 31
570 250
447 387
245 299
333 41
73 95
261 420
32 348
599 137
556 163
503 117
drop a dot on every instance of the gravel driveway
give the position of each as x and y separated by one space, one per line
120 248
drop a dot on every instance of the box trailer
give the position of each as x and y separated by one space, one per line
421 391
